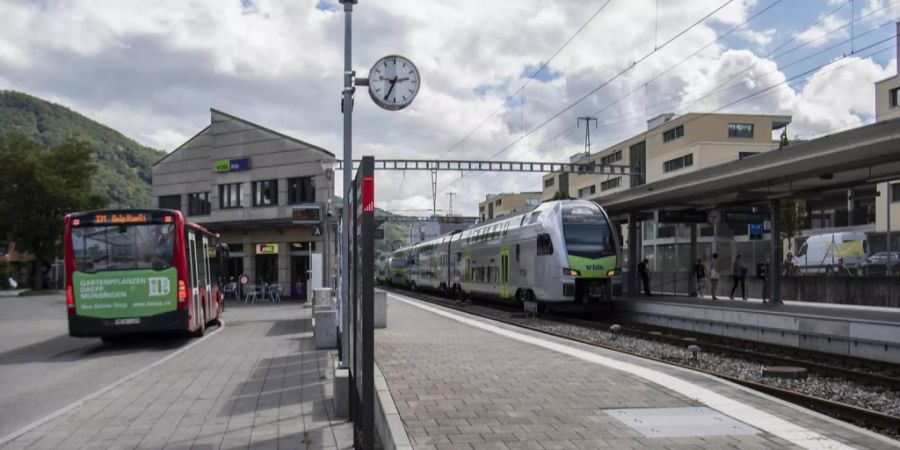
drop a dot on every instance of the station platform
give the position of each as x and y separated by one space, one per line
860 331
464 382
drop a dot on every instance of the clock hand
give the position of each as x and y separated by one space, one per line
393 82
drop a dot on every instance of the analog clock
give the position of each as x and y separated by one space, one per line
393 82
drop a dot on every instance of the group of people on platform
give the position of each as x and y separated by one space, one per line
708 277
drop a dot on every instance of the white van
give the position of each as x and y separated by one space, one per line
822 253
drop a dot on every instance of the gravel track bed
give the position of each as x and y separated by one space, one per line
873 398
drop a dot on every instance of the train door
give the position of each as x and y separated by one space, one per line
195 282
504 272
467 286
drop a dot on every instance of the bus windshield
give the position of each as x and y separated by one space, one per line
587 234
123 247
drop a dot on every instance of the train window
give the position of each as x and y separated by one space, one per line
544 244
517 252
458 257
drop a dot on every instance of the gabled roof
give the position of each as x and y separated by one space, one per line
254 125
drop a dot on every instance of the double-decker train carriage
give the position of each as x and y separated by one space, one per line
560 252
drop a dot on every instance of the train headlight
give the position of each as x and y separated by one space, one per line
611 272
571 272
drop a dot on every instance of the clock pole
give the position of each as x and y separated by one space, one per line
347 109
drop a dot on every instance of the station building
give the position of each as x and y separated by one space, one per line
497 205
267 194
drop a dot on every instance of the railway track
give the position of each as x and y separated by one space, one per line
873 374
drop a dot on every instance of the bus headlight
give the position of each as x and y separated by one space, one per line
571 272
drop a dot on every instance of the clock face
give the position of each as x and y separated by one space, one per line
393 82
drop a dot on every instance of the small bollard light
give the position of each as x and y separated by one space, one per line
615 329
695 351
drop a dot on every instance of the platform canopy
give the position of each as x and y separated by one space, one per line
854 158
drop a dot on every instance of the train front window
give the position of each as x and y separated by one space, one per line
587 233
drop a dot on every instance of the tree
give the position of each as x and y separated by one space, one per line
793 212
559 196
38 186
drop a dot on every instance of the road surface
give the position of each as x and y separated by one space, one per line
42 369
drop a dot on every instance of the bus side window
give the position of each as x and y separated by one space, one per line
544 244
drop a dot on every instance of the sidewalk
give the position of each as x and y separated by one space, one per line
257 383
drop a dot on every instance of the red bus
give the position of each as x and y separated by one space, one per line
137 271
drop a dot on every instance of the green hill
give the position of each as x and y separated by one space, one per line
123 165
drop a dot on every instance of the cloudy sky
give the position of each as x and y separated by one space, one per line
153 69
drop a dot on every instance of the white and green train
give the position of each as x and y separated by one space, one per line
560 252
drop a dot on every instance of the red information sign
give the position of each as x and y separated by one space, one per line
368 195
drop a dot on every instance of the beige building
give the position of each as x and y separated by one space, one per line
496 205
671 146
887 106
265 193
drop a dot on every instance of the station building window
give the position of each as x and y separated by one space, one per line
198 204
678 163
265 193
740 130
583 192
673 134
170 202
301 190
548 182
611 184
895 192
894 97
229 196
611 158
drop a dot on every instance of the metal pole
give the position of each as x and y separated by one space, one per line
774 272
347 109
887 210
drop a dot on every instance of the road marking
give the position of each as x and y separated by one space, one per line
740 411
15 434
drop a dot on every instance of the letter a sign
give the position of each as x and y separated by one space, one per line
368 195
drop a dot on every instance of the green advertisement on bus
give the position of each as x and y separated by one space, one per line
125 293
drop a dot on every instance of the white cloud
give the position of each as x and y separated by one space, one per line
153 71
830 30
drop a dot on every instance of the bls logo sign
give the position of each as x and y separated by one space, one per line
159 286
594 267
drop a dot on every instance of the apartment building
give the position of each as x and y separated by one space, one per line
672 145
496 205
887 106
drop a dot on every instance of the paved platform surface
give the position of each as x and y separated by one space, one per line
257 383
462 382
826 310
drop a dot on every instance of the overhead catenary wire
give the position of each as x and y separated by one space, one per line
724 85
608 81
643 85
537 72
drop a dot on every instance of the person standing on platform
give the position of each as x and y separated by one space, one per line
714 275
700 272
644 272
739 274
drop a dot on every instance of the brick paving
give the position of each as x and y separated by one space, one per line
259 383
460 387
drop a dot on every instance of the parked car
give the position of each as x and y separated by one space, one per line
881 258
823 253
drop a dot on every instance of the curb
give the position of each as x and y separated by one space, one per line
387 418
